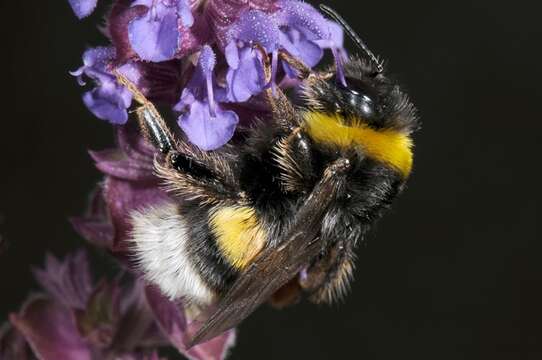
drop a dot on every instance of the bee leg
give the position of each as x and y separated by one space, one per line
303 70
281 107
187 171
288 294
328 278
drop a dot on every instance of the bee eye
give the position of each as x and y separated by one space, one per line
360 97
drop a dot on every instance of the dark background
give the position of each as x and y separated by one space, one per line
454 272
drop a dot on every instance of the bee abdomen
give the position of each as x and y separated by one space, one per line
239 234
161 242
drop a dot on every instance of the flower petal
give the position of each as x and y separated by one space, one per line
83 8
120 16
204 131
106 103
114 164
155 35
303 17
298 46
232 55
185 13
222 15
51 331
95 230
109 100
169 316
255 26
216 348
98 57
248 78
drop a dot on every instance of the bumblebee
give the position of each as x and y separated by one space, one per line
278 216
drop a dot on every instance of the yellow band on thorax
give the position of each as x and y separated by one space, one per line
239 235
388 146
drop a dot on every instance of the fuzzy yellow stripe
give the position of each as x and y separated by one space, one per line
388 146
239 234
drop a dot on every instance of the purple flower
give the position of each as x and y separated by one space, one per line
157 35
108 100
304 32
205 123
50 330
245 75
83 8
222 14
296 27
157 41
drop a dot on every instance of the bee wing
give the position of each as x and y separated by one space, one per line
276 266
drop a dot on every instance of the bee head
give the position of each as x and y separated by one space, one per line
356 90
365 97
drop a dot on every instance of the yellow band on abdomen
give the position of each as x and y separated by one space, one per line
239 234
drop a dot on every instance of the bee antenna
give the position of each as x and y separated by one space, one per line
355 37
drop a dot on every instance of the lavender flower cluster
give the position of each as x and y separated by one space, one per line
205 60
199 57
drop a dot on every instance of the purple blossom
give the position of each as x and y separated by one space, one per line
148 34
296 28
304 32
157 35
245 76
50 330
108 100
223 14
204 121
